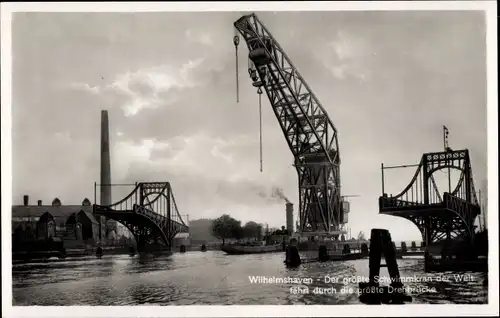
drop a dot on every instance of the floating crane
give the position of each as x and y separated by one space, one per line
309 132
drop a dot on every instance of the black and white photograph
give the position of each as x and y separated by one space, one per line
260 154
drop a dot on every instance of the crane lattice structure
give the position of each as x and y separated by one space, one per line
308 130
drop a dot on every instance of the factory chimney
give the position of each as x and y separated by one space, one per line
105 160
289 217
105 166
26 200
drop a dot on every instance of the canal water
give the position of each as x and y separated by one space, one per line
197 278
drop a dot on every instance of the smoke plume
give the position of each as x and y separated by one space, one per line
279 193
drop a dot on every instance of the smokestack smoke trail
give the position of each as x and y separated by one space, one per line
279 193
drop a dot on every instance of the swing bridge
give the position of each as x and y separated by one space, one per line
149 212
438 215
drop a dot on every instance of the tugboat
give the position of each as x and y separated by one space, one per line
271 243
322 247
332 245
251 248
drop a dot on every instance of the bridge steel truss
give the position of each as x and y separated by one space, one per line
308 130
149 212
437 215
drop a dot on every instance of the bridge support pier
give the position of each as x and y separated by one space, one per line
145 246
148 242
142 242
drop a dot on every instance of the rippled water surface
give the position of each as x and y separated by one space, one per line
216 278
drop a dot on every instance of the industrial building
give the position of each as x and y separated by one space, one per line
75 225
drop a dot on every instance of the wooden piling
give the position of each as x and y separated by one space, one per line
371 292
292 257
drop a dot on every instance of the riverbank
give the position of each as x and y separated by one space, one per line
20 257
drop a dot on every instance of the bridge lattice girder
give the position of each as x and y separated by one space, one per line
437 215
149 212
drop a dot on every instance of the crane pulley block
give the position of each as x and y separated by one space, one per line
259 56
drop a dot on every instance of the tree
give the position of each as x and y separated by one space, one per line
252 230
226 227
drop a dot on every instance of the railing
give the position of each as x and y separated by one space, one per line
392 203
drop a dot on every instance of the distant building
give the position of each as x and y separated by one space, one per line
200 231
71 223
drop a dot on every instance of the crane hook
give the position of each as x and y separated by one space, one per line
259 91
236 41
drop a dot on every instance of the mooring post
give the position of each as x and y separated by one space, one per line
427 255
389 251
375 255
323 253
292 257
371 293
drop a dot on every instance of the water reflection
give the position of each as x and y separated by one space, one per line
212 278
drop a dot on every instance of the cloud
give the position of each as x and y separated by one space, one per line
198 154
143 88
342 46
198 37
206 165
344 57
147 88
85 87
63 136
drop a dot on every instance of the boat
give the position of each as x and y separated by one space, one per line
325 249
240 249
333 258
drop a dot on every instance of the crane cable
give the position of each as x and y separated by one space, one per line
236 41
259 91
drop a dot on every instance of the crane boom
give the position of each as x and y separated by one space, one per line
308 130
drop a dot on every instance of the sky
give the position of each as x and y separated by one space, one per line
388 80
